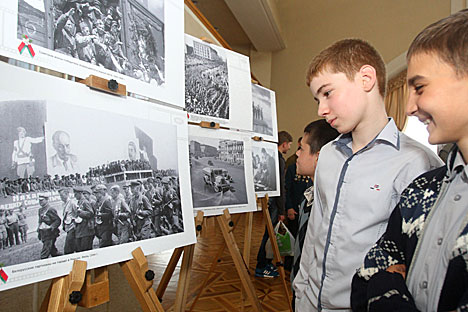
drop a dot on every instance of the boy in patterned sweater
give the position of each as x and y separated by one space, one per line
420 262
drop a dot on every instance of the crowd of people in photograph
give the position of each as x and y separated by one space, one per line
92 31
95 175
113 214
206 87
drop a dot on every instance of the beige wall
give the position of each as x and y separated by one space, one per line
309 26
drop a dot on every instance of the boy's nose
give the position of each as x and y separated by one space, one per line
411 107
322 110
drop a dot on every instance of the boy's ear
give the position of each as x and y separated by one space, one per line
368 77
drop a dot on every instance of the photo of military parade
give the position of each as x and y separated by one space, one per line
262 110
217 172
264 168
110 186
124 36
206 80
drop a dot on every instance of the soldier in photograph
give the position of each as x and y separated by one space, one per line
3 230
84 231
13 227
170 200
23 226
127 193
104 216
142 213
122 222
68 221
48 227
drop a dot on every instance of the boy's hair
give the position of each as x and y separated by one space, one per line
319 133
446 38
348 56
284 136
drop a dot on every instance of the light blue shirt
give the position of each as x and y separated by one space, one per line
353 198
440 237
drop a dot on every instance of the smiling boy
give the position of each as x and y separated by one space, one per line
359 176
420 263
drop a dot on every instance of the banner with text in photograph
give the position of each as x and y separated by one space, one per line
221 171
87 175
139 43
217 85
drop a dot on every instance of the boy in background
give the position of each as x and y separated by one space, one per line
316 134
420 263
359 176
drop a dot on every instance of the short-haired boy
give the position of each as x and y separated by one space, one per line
316 134
420 263
359 176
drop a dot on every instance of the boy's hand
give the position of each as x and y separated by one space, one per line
281 218
398 268
292 214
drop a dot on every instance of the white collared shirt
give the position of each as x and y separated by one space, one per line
353 198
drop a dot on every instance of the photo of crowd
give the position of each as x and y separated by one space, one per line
124 36
206 80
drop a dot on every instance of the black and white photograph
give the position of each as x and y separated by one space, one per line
122 36
206 80
77 180
218 170
265 168
120 39
264 112
216 84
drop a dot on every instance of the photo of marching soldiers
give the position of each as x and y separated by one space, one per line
264 169
125 36
217 172
206 80
129 191
262 110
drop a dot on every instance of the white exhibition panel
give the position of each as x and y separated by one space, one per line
89 117
145 54
221 171
217 85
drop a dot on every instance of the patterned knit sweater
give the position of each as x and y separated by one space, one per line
375 289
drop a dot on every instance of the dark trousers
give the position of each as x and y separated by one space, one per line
48 248
70 243
262 260
106 239
13 234
84 243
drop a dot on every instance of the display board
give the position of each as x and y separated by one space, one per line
221 171
137 42
264 122
265 165
85 138
217 85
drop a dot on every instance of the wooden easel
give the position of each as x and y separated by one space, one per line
67 292
227 226
64 292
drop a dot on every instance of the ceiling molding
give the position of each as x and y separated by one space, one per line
257 19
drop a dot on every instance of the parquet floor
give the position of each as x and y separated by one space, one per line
221 294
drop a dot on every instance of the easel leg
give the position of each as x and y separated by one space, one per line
214 263
274 245
184 278
246 253
225 224
168 272
138 276
57 297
